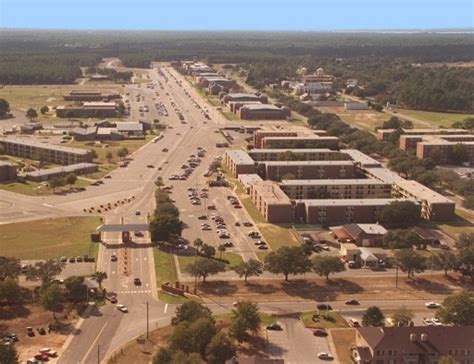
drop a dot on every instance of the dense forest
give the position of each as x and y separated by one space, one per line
386 64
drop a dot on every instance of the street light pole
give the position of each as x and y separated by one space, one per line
147 322
98 354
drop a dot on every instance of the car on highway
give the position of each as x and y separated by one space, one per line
122 308
206 228
202 217
113 258
320 332
165 150
138 212
352 302
325 356
228 244
137 282
263 247
432 305
247 223
150 166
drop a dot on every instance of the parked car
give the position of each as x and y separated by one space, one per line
274 327
352 302
320 332
137 282
325 356
41 357
122 308
324 306
30 331
113 258
432 305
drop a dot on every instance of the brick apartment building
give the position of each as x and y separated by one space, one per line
8 171
259 135
322 154
264 112
306 142
306 169
336 189
272 202
225 99
47 174
239 162
49 153
384 134
413 345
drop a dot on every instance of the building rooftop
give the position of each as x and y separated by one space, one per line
239 156
421 192
106 131
5 163
329 182
359 157
384 174
36 144
261 107
241 94
419 339
350 202
85 131
271 193
66 169
296 151
129 126
249 179
301 137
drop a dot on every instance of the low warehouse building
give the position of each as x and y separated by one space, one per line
46 174
264 112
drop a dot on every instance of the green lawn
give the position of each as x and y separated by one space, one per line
38 188
436 118
230 115
165 269
175 300
267 318
233 258
461 224
335 320
49 238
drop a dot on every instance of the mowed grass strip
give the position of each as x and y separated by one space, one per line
165 269
233 258
326 320
49 238
441 119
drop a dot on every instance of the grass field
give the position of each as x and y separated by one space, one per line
230 115
461 224
39 188
165 269
234 259
113 147
24 97
343 339
441 119
365 119
49 238
327 320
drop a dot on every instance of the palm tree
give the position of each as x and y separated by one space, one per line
198 243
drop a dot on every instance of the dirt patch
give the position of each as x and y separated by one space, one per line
343 339
15 319
435 287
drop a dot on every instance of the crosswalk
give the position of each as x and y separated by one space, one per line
134 292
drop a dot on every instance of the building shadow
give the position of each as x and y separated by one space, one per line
10 312
308 290
261 288
429 286
217 288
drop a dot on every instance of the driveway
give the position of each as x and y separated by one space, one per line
295 343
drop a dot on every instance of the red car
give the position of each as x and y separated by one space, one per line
42 357
237 206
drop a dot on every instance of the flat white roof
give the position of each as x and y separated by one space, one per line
384 174
129 126
37 144
296 151
65 169
239 156
307 163
359 157
372 229
262 107
421 192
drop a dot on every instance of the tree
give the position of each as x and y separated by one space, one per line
446 261
31 113
163 227
122 152
458 154
202 331
163 356
325 265
44 271
198 243
100 277
400 214
373 317
457 309
74 289
8 354
465 246
190 311
4 108
52 298
287 260
238 330
220 349
56 182
9 268
221 249
410 262
71 178
11 291
401 239
93 153
447 360
204 267
109 156
402 316
250 268
180 338
166 208
208 251
249 315
44 109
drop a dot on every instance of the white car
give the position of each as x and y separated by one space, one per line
325 356
122 308
432 305
206 228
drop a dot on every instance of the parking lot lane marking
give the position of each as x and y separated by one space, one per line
166 308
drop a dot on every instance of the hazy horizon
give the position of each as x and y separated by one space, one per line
245 15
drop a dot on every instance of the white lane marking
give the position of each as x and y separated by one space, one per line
95 340
47 205
166 308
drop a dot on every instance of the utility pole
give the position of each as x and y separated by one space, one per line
396 275
98 354
147 322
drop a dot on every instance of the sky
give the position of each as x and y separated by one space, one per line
237 15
